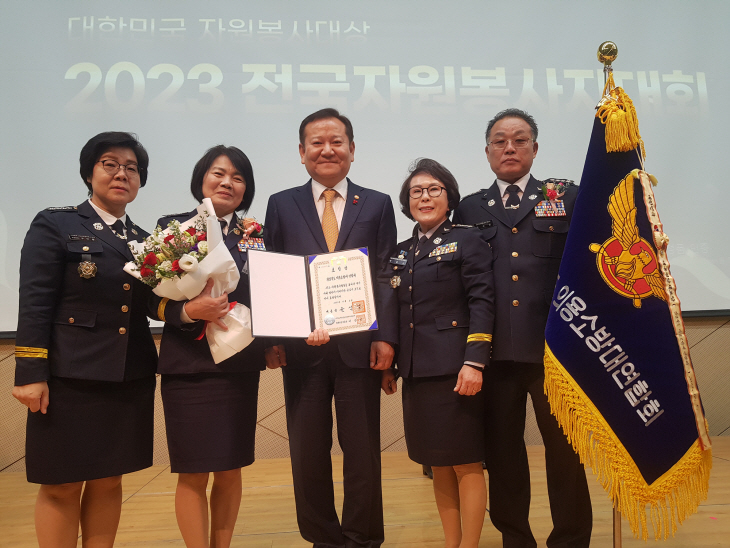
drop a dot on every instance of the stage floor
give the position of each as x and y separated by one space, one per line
267 518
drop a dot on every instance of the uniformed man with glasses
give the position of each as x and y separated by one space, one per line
526 222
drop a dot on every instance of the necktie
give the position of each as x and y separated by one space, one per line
118 229
514 198
421 242
224 224
329 221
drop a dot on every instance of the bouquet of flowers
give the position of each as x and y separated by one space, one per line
177 263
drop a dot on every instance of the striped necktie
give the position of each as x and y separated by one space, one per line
329 221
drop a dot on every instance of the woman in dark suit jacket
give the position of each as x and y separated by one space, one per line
85 357
210 409
443 277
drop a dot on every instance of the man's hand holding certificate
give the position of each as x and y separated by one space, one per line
291 296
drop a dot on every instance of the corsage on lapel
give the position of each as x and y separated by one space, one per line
552 191
252 234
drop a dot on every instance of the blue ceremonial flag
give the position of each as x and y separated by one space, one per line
617 368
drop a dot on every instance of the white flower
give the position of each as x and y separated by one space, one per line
203 247
188 263
165 266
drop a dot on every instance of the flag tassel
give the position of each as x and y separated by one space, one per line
671 498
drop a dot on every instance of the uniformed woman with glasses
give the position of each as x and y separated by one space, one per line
85 358
443 278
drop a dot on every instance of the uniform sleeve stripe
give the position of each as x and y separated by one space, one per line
479 337
161 309
30 352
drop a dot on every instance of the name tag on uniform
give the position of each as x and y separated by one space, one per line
251 243
443 249
546 208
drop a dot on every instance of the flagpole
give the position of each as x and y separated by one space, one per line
607 53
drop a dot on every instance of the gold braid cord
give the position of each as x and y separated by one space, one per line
671 498
617 112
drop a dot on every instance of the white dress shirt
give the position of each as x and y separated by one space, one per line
522 183
108 218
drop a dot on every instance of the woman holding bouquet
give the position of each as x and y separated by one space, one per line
85 360
210 409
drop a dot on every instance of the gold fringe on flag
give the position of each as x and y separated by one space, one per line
617 112
671 498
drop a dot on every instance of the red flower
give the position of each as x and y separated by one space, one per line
191 231
175 266
168 238
552 194
144 272
150 259
201 236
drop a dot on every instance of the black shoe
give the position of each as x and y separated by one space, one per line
427 471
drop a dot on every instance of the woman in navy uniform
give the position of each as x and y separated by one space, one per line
85 358
210 409
443 276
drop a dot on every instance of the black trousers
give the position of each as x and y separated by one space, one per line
508 384
308 394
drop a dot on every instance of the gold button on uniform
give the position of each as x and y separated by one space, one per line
127 287
453 323
515 303
410 271
515 254
395 268
122 330
438 258
411 306
552 229
85 248
410 288
71 320
125 308
514 230
411 325
515 277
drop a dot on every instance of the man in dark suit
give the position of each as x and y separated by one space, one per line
329 213
527 234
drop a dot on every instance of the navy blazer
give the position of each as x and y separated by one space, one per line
527 254
91 328
180 350
446 302
293 226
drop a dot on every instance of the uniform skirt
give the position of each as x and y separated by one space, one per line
210 420
92 430
442 428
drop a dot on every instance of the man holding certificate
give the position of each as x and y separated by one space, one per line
331 213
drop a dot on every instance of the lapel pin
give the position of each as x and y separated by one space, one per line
98 226
532 196
437 241
490 203
354 202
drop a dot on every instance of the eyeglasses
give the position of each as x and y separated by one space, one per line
501 144
112 167
434 191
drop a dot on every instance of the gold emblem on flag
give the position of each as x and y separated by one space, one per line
626 261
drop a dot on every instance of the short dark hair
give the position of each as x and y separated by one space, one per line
239 160
438 172
99 144
513 113
323 114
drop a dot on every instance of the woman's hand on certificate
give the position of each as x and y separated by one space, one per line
318 337
34 396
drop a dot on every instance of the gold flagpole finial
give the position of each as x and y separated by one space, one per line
607 53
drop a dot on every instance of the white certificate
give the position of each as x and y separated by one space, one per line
292 295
